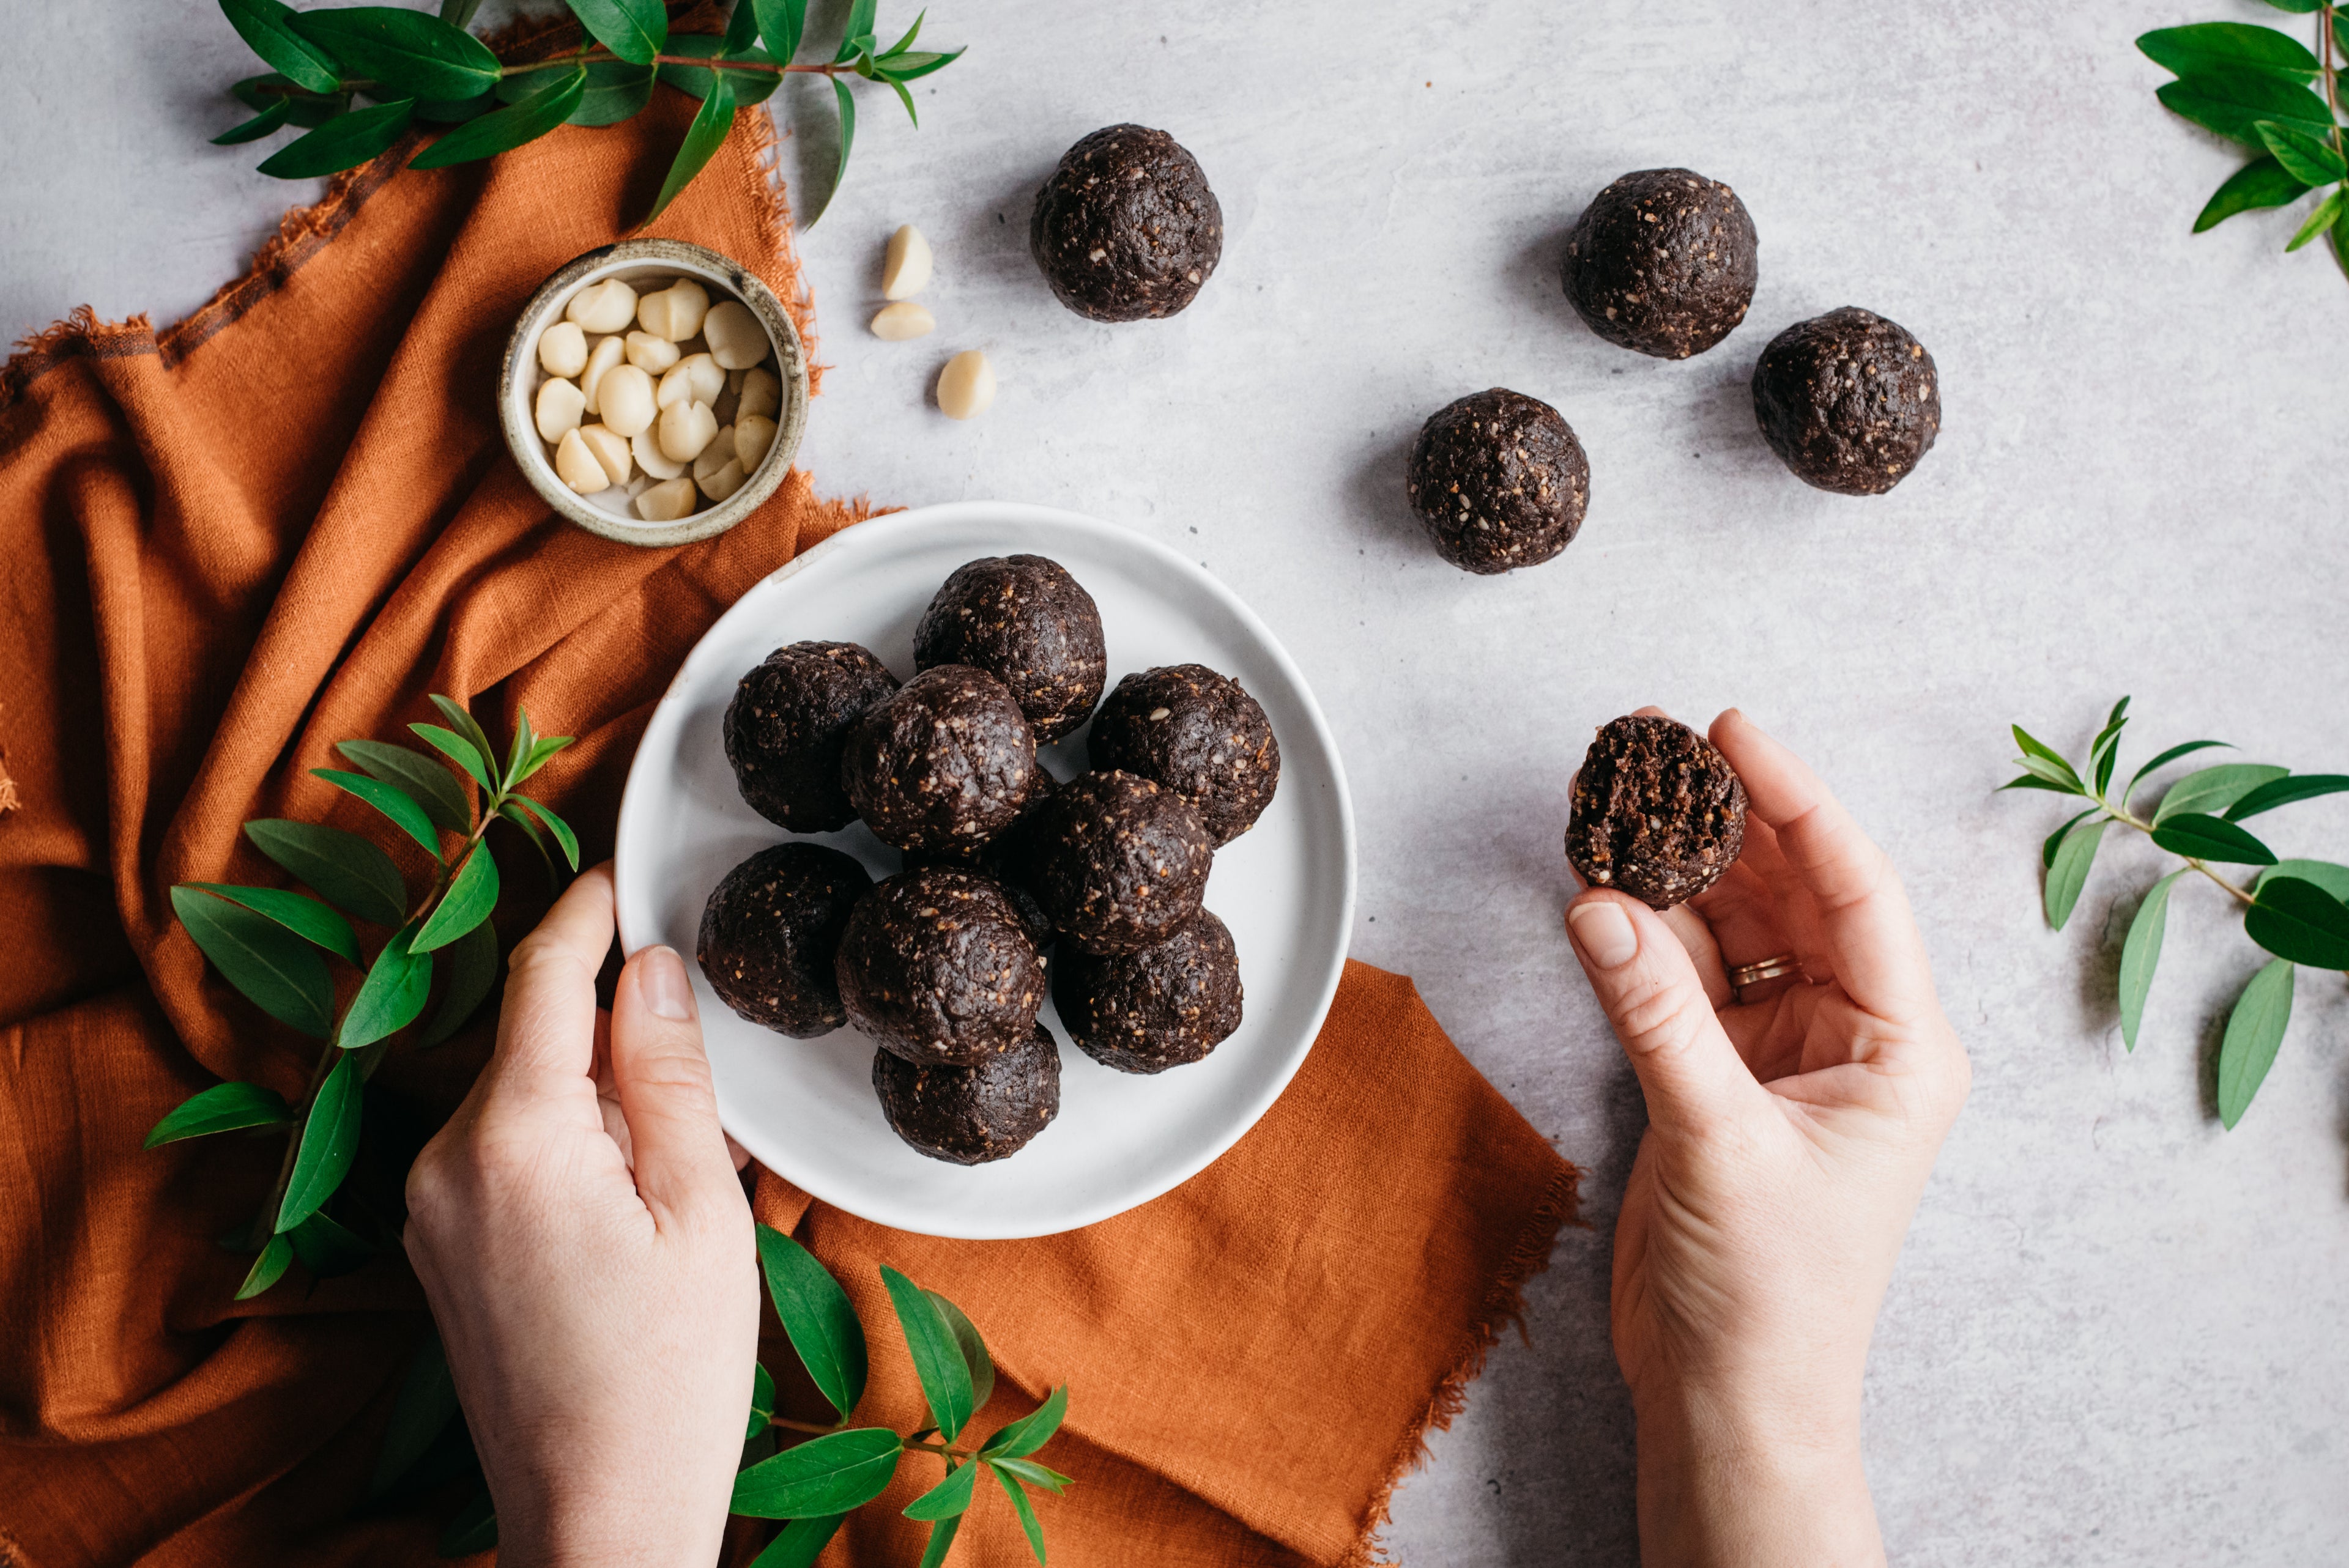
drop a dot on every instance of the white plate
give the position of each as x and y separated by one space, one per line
806 1107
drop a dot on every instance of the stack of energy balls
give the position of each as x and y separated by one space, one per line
944 965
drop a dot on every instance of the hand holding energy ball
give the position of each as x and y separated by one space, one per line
1790 1133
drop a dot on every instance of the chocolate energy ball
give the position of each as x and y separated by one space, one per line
1663 261
787 723
937 966
974 1114
1126 228
1848 401
770 934
1168 1004
1658 812
1119 861
945 762
1197 733
1499 481
1028 624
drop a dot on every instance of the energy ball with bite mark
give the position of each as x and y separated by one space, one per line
1499 481
1167 1005
1028 624
786 725
1197 733
1664 262
945 762
1119 861
771 933
1126 229
1848 401
937 966
974 1114
1658 812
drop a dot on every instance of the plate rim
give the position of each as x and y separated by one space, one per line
864 534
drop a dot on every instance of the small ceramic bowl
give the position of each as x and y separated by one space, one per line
638 261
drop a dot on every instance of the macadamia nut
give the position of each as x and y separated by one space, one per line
695 378
562 349
627 395
761 394
905 319
717 455
736 339
676 311
722 481
905 270
560 404
644 447
607 307
601 355
577 467
967 385
754 433
649 353
666 502
686 428
610 450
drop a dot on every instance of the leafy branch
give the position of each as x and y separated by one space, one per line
2262 87
2294 909
413 67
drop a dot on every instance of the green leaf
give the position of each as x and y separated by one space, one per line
2054 839
344 142
2232 103
407 51
905 43
2032 748
457 111
904 97
426 1399
2166 758
633 29
1034 1474
472 969
750 86
949 1498
846 102
942 1536
702 139
2304 157
914 67
938 1359
800 1543
2214 790
2333 879
972 1348
223 1107
2297 8
2328 213
615 90
472 895
416 773
275 970
342 868
259 125
2284 792
392 994
817 1316
507 129
2106 751
524 737
742 27
2056 775
1020 1505
305 917
832 1475
556 825
330 1137
2141 952
461 719
459 12
2207 838
475 1528
2300 921
2068 872
513 813
2262 182
2254 1029
1023 1437
329 1247
460 751
2227 46
394 803
762 1400
780 24
858 32
542 751
310 109
268 30
2029 781
267 1269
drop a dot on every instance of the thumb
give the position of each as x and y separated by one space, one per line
1691 1074
662 1077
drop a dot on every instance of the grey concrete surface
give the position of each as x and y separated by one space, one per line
2116 1334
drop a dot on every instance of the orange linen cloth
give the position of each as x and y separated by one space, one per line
281 523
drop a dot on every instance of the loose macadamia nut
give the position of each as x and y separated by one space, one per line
905 270
676 311
627 395
649 353
754 433
902 321
697 378
607 307
666 502
686 428
577 467
761 394
602 355
967 385
562 349
560 404
644 447
736 339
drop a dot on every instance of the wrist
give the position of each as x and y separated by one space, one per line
574 1529
1753 1482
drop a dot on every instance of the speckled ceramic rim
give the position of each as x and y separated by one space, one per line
650 258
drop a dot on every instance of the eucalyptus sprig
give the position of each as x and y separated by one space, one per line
411 66
273 945
2262 87
2294 909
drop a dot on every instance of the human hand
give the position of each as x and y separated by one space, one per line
1789 1135
585 1245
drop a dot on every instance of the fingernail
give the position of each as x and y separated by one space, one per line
1603 933
660 977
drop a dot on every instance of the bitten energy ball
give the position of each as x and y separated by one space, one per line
1499 481
972 1115
771 932
1168 1004
1126 228
1028 624
1848 401
788 724
936 966
1119 861
1658 812
1198 734
1663 261
944 763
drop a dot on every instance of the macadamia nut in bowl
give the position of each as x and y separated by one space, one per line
654 392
